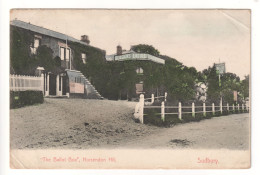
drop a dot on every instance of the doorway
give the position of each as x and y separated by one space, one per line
52 84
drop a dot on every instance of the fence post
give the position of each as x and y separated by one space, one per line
180 111
238 107
193 109
242 107
61 85
17 83
152 101
48 84
221 110
42 82
141 116
213 108
14 79
233 108
163 112
57 85
204 109
227 107
29 82
165 96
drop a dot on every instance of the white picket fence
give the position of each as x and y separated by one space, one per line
23 83
139 109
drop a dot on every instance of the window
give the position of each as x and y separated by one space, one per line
139 70
64 53
68 54
36 43
77 79
83 57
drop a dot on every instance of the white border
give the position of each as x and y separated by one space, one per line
5 6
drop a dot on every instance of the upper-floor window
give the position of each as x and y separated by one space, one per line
139 70
35 44
83 57
64 53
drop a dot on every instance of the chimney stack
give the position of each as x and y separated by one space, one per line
85 39
119 50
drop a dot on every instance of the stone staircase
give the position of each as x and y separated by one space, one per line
90 90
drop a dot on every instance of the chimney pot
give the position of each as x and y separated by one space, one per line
85 39
119 50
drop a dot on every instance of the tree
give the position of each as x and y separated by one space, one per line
179 81
230 82
45 59
144 48
223 86
244 88
211 79
22 62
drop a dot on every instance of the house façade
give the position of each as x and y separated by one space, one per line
28 45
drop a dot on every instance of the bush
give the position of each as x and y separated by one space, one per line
189 118
153 116
57 61
24 98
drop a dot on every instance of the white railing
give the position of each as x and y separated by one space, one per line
150 101
139 109
139 56
23 83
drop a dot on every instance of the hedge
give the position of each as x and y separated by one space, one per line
153 117
24 98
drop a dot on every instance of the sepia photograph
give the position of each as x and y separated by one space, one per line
130 88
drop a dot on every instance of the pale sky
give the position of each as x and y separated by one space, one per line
196 38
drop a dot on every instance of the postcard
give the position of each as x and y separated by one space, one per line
130 89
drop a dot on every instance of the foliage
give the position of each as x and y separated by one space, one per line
95 68
224 86
57 61
179 81
229 83
152 116
144 48
213 91
117 80
20 59
25 63
244 88
44 58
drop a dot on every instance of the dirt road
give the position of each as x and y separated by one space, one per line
81 124
229 132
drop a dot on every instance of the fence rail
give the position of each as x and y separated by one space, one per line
23 83
139 109
153 98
